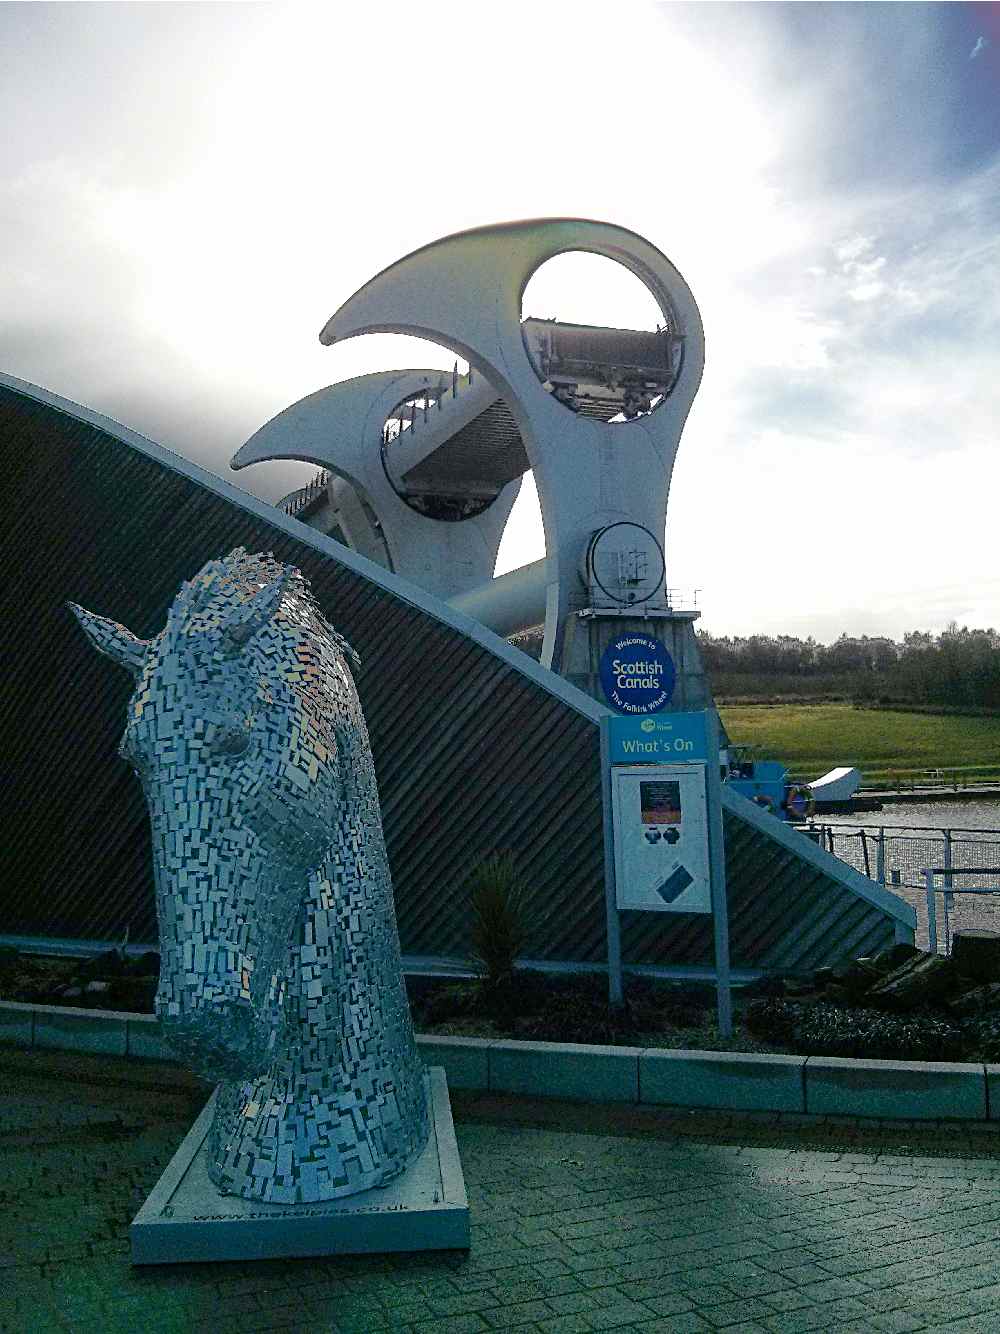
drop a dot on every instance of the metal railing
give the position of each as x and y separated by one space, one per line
899 855
301 500
949 891
419 406
932 780
682 599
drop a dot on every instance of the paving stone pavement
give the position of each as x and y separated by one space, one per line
583 1218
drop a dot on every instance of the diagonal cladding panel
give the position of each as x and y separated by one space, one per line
457 727
787 899
476 746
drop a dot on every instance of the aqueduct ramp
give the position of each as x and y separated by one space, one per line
476 746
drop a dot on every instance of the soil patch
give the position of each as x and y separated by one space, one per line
793 1016
108 980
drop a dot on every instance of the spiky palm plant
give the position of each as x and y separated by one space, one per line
501 922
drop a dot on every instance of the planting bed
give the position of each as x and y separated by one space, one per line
901 1005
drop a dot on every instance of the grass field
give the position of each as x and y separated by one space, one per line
812 738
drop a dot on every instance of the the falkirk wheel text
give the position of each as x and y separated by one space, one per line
637 674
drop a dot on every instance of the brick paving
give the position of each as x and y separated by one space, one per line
583 1218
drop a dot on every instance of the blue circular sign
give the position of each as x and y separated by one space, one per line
637 674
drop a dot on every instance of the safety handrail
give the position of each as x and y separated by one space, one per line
949 892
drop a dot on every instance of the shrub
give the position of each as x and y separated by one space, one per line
450 1000
821 1029
572 1017
536 1006
500 921
576 1009
982 1035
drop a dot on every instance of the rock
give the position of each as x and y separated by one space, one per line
923 979
132 993
977 954
109 963
896 955
836 993
975 1000
147 965
853 980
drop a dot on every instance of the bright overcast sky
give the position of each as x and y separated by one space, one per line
188 192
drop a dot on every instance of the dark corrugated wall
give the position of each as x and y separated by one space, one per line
471 755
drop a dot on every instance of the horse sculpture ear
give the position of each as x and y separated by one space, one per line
112 639
251 616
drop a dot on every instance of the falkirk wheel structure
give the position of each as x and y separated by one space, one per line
421 468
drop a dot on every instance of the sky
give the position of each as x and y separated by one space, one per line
188 192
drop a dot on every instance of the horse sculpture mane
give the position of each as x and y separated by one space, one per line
280 968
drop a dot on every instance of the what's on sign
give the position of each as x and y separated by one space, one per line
637 674
665 739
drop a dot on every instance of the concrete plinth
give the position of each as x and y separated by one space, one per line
186 1218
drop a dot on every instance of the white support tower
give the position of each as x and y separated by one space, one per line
425 467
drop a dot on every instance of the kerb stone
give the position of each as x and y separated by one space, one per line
144 1038
464 1060
993 1091
16 1022
907 1090
747 1082
80 1030
565 1070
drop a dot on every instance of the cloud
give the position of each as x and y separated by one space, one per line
822 175
860 267
981 45
850 250
859 476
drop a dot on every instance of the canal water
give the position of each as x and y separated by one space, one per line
907 849
980 813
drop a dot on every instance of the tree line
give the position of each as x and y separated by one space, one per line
958 668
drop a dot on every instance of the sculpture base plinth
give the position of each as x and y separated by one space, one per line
185 1218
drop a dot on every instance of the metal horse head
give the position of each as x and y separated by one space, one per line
280 969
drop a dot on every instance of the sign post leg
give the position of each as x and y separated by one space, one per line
717 864
614 939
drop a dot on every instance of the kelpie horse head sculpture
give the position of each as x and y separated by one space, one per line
280 969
